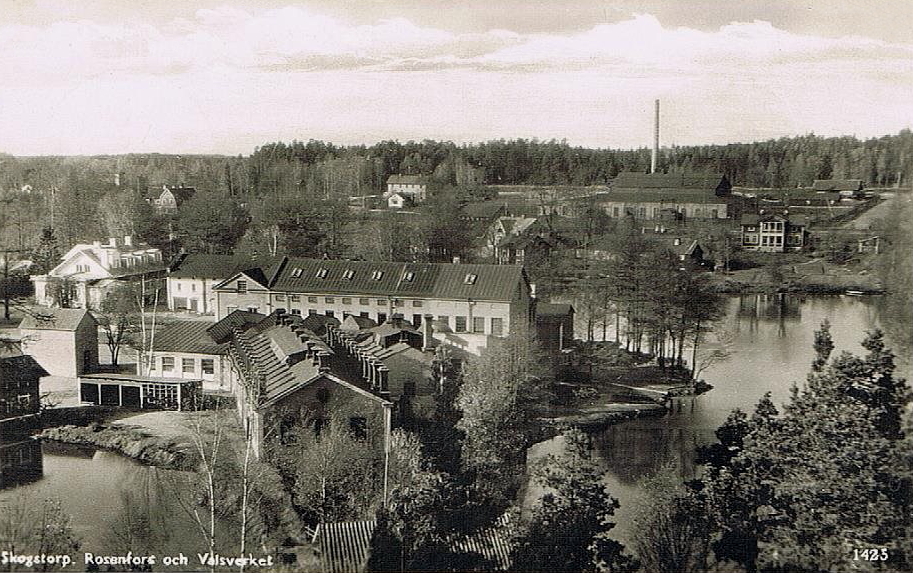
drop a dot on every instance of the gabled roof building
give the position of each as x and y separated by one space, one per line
95 269
475 301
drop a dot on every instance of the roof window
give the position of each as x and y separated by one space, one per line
296 273
408 276
348 274
377 275
470 279
321 273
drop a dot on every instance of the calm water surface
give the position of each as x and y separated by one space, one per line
103 492
771 349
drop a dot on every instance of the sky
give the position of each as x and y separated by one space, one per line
224 76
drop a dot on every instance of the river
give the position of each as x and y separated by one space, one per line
770 349
112 500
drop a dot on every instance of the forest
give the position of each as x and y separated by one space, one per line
256 202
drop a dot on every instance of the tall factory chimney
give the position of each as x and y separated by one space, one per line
655 155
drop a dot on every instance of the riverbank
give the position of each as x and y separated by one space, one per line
130 441
815 276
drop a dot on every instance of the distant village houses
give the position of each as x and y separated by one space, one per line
90 271
171 197
772 233
414 187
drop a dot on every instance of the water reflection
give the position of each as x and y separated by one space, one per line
770 339
20 461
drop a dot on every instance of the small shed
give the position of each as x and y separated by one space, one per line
141 392
64 341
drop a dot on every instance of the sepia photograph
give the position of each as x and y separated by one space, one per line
354 286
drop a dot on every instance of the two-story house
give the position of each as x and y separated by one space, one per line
413 186
771 233
474 301
19 376
192 276
90 271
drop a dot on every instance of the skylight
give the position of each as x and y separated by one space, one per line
321 273
296 273
408 276
470 279
348 274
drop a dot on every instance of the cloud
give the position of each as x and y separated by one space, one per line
225 79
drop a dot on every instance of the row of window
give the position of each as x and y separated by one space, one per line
460 323
349 274
188 365
280 297
193 286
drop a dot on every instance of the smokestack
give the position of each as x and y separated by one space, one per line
655 154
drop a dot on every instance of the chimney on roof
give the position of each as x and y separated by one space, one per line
112 241
456 260
128 241
655 154
532 290
117 179
427 332
677 241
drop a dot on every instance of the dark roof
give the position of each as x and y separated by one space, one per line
22 367
221 331
754 219
359 322
838 185
217 267
553 309
685 245
385 279
181 193
345 546
659 196
694 181
405 180
44 318
483 210
190 336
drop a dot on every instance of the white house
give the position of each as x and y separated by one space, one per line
413 186
64 341
93 270
192 278
171 197
185 349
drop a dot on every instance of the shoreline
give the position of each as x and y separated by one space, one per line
129 441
